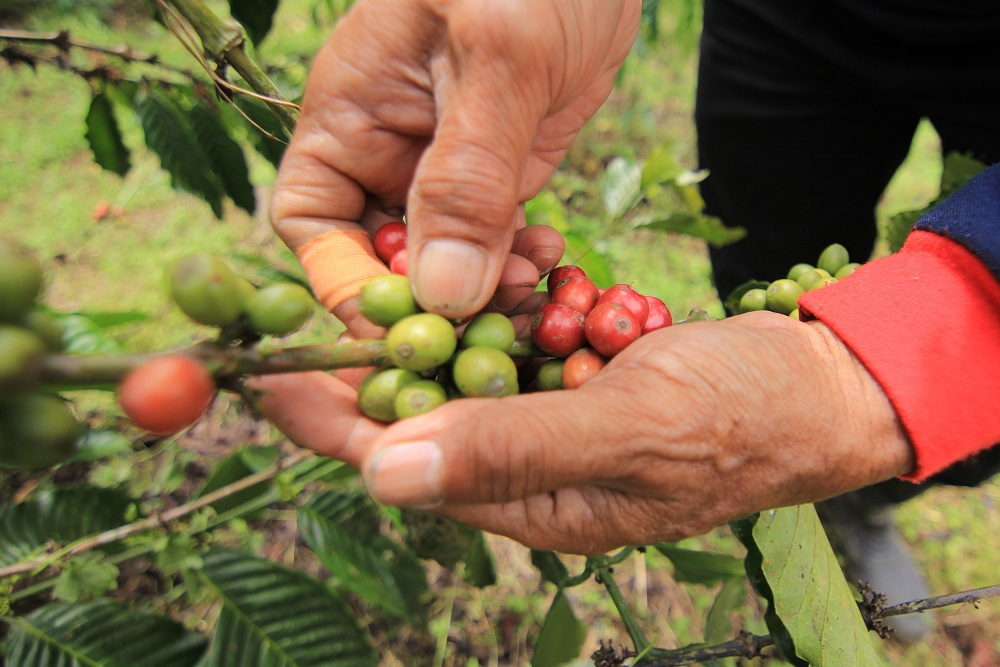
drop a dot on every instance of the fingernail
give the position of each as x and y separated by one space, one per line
545 258
448 276
407 475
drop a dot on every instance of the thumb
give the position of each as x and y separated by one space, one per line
475 451
462 209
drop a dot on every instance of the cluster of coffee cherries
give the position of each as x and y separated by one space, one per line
782 295
37 427
171 392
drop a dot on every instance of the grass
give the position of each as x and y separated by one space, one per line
49 187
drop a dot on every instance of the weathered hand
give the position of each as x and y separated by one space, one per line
689 427
455 112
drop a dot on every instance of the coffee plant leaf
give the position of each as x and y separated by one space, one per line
550 566
278 617
169 135
267 272
62 515
235 467
99 443
99 632
352 510
718 626
622 187
225 156
379 571
82 335
701 567
256 16
589 256
707 227
660 167
561 637
480 566
957 170
788 551
104 137
547 209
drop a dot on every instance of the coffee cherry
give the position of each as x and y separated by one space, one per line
550 375
386 299
627 298
166 394
37 431
418 398
279 309
400 263
561 273
794 314
19 350
783 296
489 330
47 328
846 270
611 328
833 258
809 279
659 316
577 292
581 366
389 239
421 342
207 290
378 391
821 283
752 300
20 281
558 330
484 371
796 271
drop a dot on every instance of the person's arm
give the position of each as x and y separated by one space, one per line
926 323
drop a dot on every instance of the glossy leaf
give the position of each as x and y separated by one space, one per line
699 226
622 187
561 637
225 156
701 567
104 137
256 16
551 566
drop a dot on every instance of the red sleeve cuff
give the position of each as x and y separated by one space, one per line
926 324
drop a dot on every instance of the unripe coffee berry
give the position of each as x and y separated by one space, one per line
279 309
386 299
783 296
378 391
753 300
489 330
419 397
421 342
833 258
550 375
484 372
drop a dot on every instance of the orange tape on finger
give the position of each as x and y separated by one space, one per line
338 263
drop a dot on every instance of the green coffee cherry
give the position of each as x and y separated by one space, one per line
846 270
47 328
798 270
489 330
821 283
419 397
783 296
386 299
485 371
421 342
377 392
833 258
207 290
794 314
37 431
279 309
19 349
20 281
550 375
754 299
808 279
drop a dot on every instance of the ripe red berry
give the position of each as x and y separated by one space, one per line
659 316
578 292
558 329
166 394
399 263
611 328
581 366
389 239
561 273
628 298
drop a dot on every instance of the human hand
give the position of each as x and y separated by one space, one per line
689 427
456 113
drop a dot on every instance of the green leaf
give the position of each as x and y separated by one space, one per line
104 137
561 637
177 553
587 255
700 226
81 335
551 567
169 136
99 633
108 319
99 443
255 15
268 273
480 567
267 134
62 515
622 187
380 572
701 567
791 563
85 576
660 167
224 155
718 627
958 169
276 617
235 467
898 228
547 209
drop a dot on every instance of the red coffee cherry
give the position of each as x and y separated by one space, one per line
389 239
166 394
581 366
558 329
400 263
659 316
611 328
577 292
628 298
561 273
